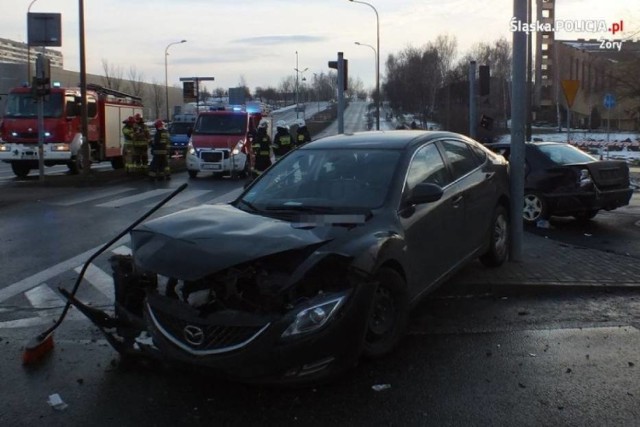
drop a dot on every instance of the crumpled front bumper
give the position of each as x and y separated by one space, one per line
266 357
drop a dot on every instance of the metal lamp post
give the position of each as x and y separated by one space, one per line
377 50
375 57
166 75
298 72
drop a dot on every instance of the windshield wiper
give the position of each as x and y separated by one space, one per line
249 205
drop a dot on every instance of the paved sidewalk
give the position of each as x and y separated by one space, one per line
547 262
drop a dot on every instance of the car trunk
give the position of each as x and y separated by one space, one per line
609 174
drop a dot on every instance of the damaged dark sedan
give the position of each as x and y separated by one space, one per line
317 263
561 180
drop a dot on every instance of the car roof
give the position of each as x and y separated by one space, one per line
393 139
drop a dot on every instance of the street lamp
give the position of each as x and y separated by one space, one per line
166 76
375 56
298 72
29 45
377 61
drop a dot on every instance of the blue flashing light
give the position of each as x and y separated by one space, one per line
237 108
56 84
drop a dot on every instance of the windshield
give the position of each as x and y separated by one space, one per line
180 127
562 154
325 181
221 124
24 105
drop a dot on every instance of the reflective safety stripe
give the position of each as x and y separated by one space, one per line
263 153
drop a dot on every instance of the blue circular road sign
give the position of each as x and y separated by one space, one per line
609 101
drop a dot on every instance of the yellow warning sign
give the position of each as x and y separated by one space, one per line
570 89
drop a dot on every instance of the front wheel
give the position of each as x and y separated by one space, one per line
192 173
388 314
535 208
20 169
498 239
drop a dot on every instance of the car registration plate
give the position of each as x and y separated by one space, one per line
212 166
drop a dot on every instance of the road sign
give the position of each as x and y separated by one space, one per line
609 101
570 89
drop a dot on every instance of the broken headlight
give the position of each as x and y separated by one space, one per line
313 318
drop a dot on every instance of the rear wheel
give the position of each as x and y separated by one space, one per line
388 315
586 216
535 208
498 239
192 173
20 169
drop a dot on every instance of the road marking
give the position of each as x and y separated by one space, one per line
92 196
122 250
135 198
38 278
45 299
184 197
99 280
26 322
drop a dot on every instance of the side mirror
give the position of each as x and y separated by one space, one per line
425 192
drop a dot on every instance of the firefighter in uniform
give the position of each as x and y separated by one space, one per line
141 140
261 147
282 141
127 148
159 168
302 133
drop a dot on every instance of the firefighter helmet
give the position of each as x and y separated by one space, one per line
281 124
263 124
159 124
301 123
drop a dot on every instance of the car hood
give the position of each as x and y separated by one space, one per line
196 242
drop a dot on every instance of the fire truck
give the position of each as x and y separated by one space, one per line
62 136
220 142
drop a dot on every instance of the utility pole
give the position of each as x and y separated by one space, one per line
473 114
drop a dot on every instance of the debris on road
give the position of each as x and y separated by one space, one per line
56 402
380 387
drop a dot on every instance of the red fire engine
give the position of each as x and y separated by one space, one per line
106 110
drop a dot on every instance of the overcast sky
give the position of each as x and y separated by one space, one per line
258 39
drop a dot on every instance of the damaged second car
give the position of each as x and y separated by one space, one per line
317 263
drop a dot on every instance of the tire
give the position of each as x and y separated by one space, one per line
535 208
75 164
388 315
586 216
498 251
117 163
20 169
192 174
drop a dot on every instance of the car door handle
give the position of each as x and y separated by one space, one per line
456 201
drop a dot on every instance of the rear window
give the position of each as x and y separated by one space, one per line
180 127
562 154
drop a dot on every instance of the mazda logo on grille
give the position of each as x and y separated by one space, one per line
193 334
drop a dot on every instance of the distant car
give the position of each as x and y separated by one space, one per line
180 132
562 180
317 262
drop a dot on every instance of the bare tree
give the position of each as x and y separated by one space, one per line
136 82
112 75
157 99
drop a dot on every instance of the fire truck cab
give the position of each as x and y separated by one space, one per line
62 127
221 142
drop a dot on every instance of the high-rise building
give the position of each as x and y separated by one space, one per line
13 52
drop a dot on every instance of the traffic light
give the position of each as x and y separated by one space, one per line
486 122
485 81
334 65
188 89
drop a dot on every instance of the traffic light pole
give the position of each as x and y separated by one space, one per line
42 80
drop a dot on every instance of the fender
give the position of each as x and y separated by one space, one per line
76 143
